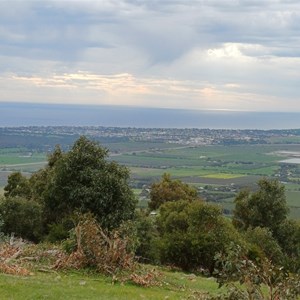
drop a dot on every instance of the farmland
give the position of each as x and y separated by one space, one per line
218 163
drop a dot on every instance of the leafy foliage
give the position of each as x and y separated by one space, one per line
265 208
148 238
170 190
288 237
266 245
261 279
192 234
22 217
17 185
82 179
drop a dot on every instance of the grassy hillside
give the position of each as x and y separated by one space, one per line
173 285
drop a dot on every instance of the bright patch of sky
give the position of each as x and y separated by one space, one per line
195 54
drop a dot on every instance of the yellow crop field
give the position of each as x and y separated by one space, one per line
223 176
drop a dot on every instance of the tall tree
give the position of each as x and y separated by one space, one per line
265 208
17 185
168 190
84 180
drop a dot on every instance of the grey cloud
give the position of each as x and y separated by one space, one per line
162 30
46 32
154 38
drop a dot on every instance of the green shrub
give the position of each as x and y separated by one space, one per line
17 186
254 279
83 179
22 217
192 234
288 236
1 226
266 244
58 232
147 235
266 207
168 190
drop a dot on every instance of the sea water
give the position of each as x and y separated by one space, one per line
26 114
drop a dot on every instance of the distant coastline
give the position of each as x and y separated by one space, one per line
26 114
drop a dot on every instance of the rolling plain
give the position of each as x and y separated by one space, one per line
218 163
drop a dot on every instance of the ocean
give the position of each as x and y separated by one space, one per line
28 114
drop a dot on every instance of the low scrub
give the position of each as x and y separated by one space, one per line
260 280
107 252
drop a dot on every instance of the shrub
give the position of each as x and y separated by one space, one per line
22 217
1 226
59 231
170 190
192 234
147 235
259 280
288 236
109 253
266 244
265 208
17 186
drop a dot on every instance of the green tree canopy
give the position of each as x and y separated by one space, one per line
265 208
264 243
288 237
192 233
17 185
168 190
84 180
22 217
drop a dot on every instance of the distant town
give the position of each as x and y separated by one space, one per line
192 137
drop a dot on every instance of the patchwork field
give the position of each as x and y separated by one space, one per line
218 172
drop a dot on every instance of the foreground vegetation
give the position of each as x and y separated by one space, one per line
82 203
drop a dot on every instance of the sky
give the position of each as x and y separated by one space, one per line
187 54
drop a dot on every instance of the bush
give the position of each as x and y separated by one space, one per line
147 236
1 226
168 190
266 244
22 217
60 231
192 234
265 208
17 186
108 253
288 236
257 279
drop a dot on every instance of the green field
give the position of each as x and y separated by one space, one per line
13 157
236 166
